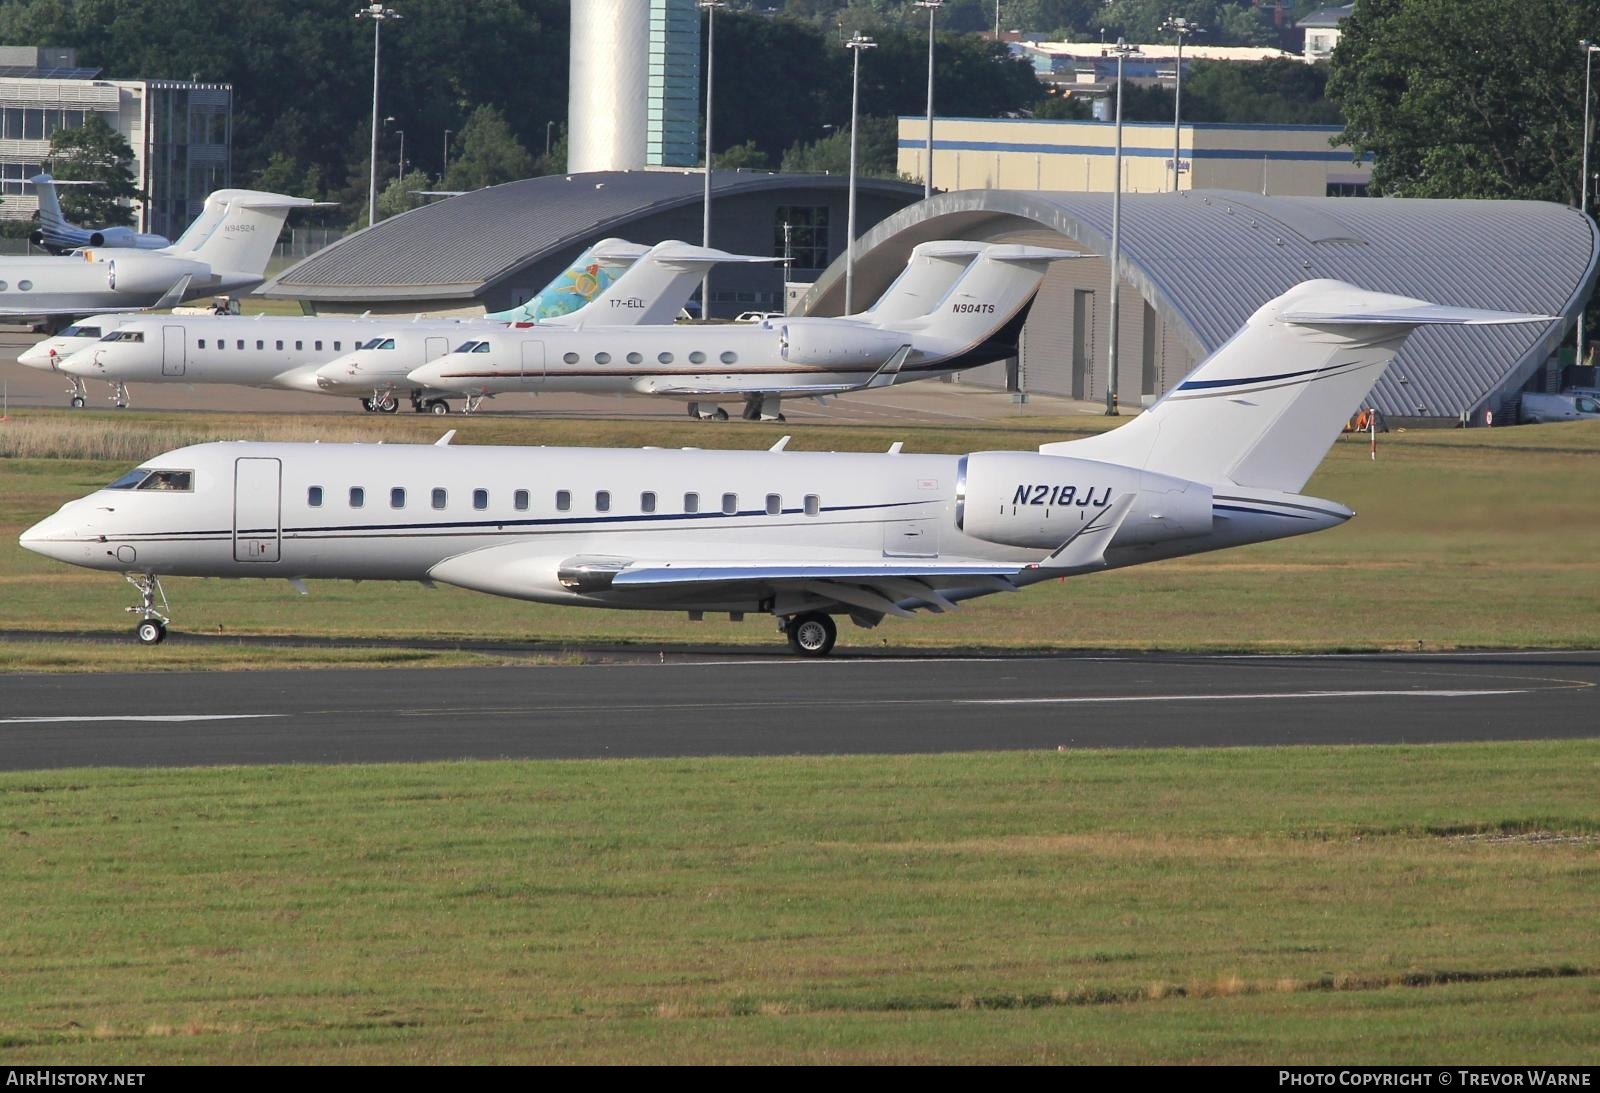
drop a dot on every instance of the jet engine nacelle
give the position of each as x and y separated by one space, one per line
823 342
142 274
127 237
1040 501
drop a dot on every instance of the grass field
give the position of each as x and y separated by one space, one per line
1230 906
1463 539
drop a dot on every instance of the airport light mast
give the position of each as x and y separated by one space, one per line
856 45
710 8
1589 50
933 7
1181 27
378 14
1123 51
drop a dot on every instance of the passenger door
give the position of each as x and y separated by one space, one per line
257 510
173 354
533 362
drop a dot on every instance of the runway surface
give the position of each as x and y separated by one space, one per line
766 706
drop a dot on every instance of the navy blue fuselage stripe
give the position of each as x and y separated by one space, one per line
1195 385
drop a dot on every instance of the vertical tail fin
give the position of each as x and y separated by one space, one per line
1264 409
995 289
53 227
655 288
590 274
930 272
237 229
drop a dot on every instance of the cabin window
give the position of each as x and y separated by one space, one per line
336 346
602 358
238 343
730 504
664 358
3 286
480 499
397 498
691 502
774 504
299 345
25 286
602 501
317 345
314 497
729 356
202 343
697 357
813 504
570 358
519 500
634 358
563 501
358 497
647 502
279 343
222 343
260 344
439 497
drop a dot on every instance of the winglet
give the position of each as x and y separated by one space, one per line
782 443
444 441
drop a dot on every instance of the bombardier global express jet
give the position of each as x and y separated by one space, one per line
799 536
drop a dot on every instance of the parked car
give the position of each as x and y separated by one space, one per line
1537 409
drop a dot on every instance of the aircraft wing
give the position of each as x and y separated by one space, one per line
41 312
870 582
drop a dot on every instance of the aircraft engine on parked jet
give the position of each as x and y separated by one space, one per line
1040 501
823 342
142 274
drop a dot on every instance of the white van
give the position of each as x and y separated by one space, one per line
1537 409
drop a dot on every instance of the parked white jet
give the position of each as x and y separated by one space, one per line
58 236
224 250
976 321
288 352
1216 463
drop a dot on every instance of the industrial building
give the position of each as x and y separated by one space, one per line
1194 265
494 248
180 132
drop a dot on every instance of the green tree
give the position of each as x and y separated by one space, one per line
745 155
95 153
1466 98
403 194
489 154
877 152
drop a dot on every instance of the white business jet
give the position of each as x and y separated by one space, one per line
56 235
1218 462
224 250
977 320
289 352
652 292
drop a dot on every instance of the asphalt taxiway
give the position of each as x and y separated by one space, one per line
735 704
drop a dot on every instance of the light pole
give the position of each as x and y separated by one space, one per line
549 125
710 8
856 44
997 20
933 7
1181 27
378 14
1589 50
1123 51
400 172
446 167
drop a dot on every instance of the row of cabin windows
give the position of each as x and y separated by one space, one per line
439 498
727 356
222 343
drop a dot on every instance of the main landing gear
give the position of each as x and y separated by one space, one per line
152 628
380 404
811 633
119 395
707 411
428 405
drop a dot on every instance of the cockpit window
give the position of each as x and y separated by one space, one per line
81 332
467 347
481 347
150 478
377 343
124 336
387 343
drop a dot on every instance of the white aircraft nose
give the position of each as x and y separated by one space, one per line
431 375
37 356
55 538
339 372
88 363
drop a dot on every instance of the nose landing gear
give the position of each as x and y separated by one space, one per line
152 628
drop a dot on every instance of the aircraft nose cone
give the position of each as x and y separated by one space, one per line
53 538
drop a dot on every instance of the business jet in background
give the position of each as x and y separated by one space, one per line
58 236
801 536
976 320
613 278
224 250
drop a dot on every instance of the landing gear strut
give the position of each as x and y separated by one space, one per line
119 395
763 408
471 403
811 634
707 411
429 405
152 628
78 392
